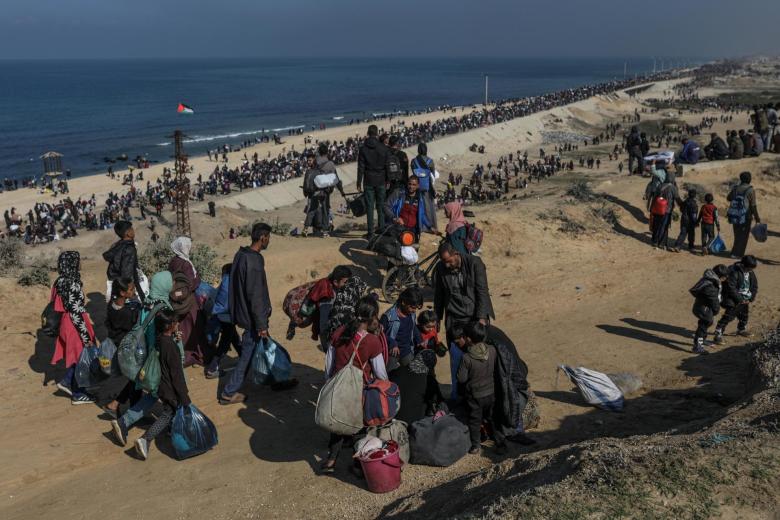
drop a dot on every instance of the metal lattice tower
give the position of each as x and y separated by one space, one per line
182 189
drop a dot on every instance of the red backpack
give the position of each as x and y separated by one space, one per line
473 238
381 400
659 206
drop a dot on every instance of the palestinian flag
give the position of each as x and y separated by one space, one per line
184 109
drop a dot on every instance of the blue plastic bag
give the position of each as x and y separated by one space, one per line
717 245
270 363
206 294
760 232
192 433
88 372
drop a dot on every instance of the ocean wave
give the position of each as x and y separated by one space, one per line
338 118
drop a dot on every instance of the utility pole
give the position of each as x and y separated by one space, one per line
182 187
486 89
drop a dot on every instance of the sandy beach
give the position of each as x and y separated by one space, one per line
601 299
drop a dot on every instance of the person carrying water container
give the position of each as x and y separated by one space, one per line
423 168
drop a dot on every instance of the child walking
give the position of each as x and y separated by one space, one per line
476 375
689 212
707 292
708 219
172 391
121 317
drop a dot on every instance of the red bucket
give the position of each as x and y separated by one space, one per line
382 469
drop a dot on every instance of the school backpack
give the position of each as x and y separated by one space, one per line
698 289
474 237
381 401
393 168
659 206
438 441
339 406
738 209
132 351
181 296
422 169
396 430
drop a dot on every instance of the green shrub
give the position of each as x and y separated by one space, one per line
34 276
581 191
10 255
277 228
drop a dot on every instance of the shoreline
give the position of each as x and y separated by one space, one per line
100 185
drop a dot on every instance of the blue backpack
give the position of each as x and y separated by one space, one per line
423 172
738 209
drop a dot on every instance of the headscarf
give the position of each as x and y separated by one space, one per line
181 247
160 288
343 309
457 220
69 288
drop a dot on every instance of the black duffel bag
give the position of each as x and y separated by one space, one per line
441 442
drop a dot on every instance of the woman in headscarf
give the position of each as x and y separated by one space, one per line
192 322
456 227
343 309
75 326
160 287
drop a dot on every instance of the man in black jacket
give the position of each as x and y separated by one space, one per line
122 258
461 296
372 177
717 150
707 305
250 306
739 291
634 146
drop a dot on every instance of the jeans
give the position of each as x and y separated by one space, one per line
375 199
741 237
137 410
69 380
689 230
227 334
740 311
237 376
456 355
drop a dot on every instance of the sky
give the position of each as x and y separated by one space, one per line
107 29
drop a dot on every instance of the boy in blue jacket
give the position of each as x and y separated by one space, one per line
220 327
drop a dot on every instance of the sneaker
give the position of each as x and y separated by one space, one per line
65 388
213 374
718 338
699 349
120 433
474 450
236 398
142 448
82 399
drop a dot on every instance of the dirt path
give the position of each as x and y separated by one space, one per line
602 299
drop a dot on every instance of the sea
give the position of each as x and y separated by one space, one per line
93 111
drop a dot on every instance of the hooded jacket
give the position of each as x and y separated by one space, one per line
372 163
707 292
477 369
736 147
250 305
718 149
735 285
122 258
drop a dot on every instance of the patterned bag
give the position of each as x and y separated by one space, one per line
293 303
